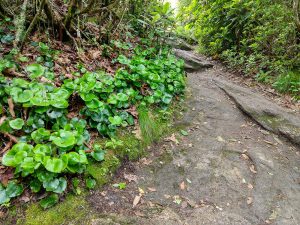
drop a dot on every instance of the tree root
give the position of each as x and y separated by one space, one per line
12 138
7 147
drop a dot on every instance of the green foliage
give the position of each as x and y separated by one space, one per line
157 22
258 38
289 82
49 201
51 146
121 186
12 190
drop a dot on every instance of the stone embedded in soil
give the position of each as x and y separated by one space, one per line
269 115
193 62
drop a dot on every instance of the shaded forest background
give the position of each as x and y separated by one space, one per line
258 38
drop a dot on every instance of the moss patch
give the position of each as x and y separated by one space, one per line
73 210
102 172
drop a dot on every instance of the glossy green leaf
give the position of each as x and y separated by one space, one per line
116 120
16 155
63 138
56 165
16 124
13 189
35 70
57 185
90 183
40 135
49 201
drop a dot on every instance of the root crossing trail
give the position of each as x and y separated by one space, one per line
228 170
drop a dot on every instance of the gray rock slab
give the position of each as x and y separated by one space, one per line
193 62
269 115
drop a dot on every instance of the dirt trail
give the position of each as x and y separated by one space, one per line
228 170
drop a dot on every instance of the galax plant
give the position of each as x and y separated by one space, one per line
51 144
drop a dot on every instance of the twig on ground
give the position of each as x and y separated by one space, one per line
11 107
12 72
11 137
7 147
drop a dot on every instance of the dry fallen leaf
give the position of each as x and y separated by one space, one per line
136 200
151 189
249 200
184 204
192 203
250 186
146 161
173 139
220 139
137 132
245 157
182 185
130 177
167 196
252 169
138 213
141 191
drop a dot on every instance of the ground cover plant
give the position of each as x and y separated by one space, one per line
56 100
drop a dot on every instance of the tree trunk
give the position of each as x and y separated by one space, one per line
296 13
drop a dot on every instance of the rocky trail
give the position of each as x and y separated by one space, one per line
239 163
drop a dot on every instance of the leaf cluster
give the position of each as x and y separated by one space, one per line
51 145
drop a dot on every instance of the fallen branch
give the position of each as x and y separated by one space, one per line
7 147
12 72
11 137
11 107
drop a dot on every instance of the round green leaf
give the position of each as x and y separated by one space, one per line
13 189
60 103
63 138
94 104
98 154
42 149
116 120
35 185
23 97
40 135
122 97
39 100
57 185
16 155
20 82
90 183
167 98
49 201
60 93
87 97
16 124
3 197
29 165
35 70
56 165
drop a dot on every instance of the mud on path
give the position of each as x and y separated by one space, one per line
227 170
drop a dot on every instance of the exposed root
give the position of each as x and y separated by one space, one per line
11 137
7 147
11 107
